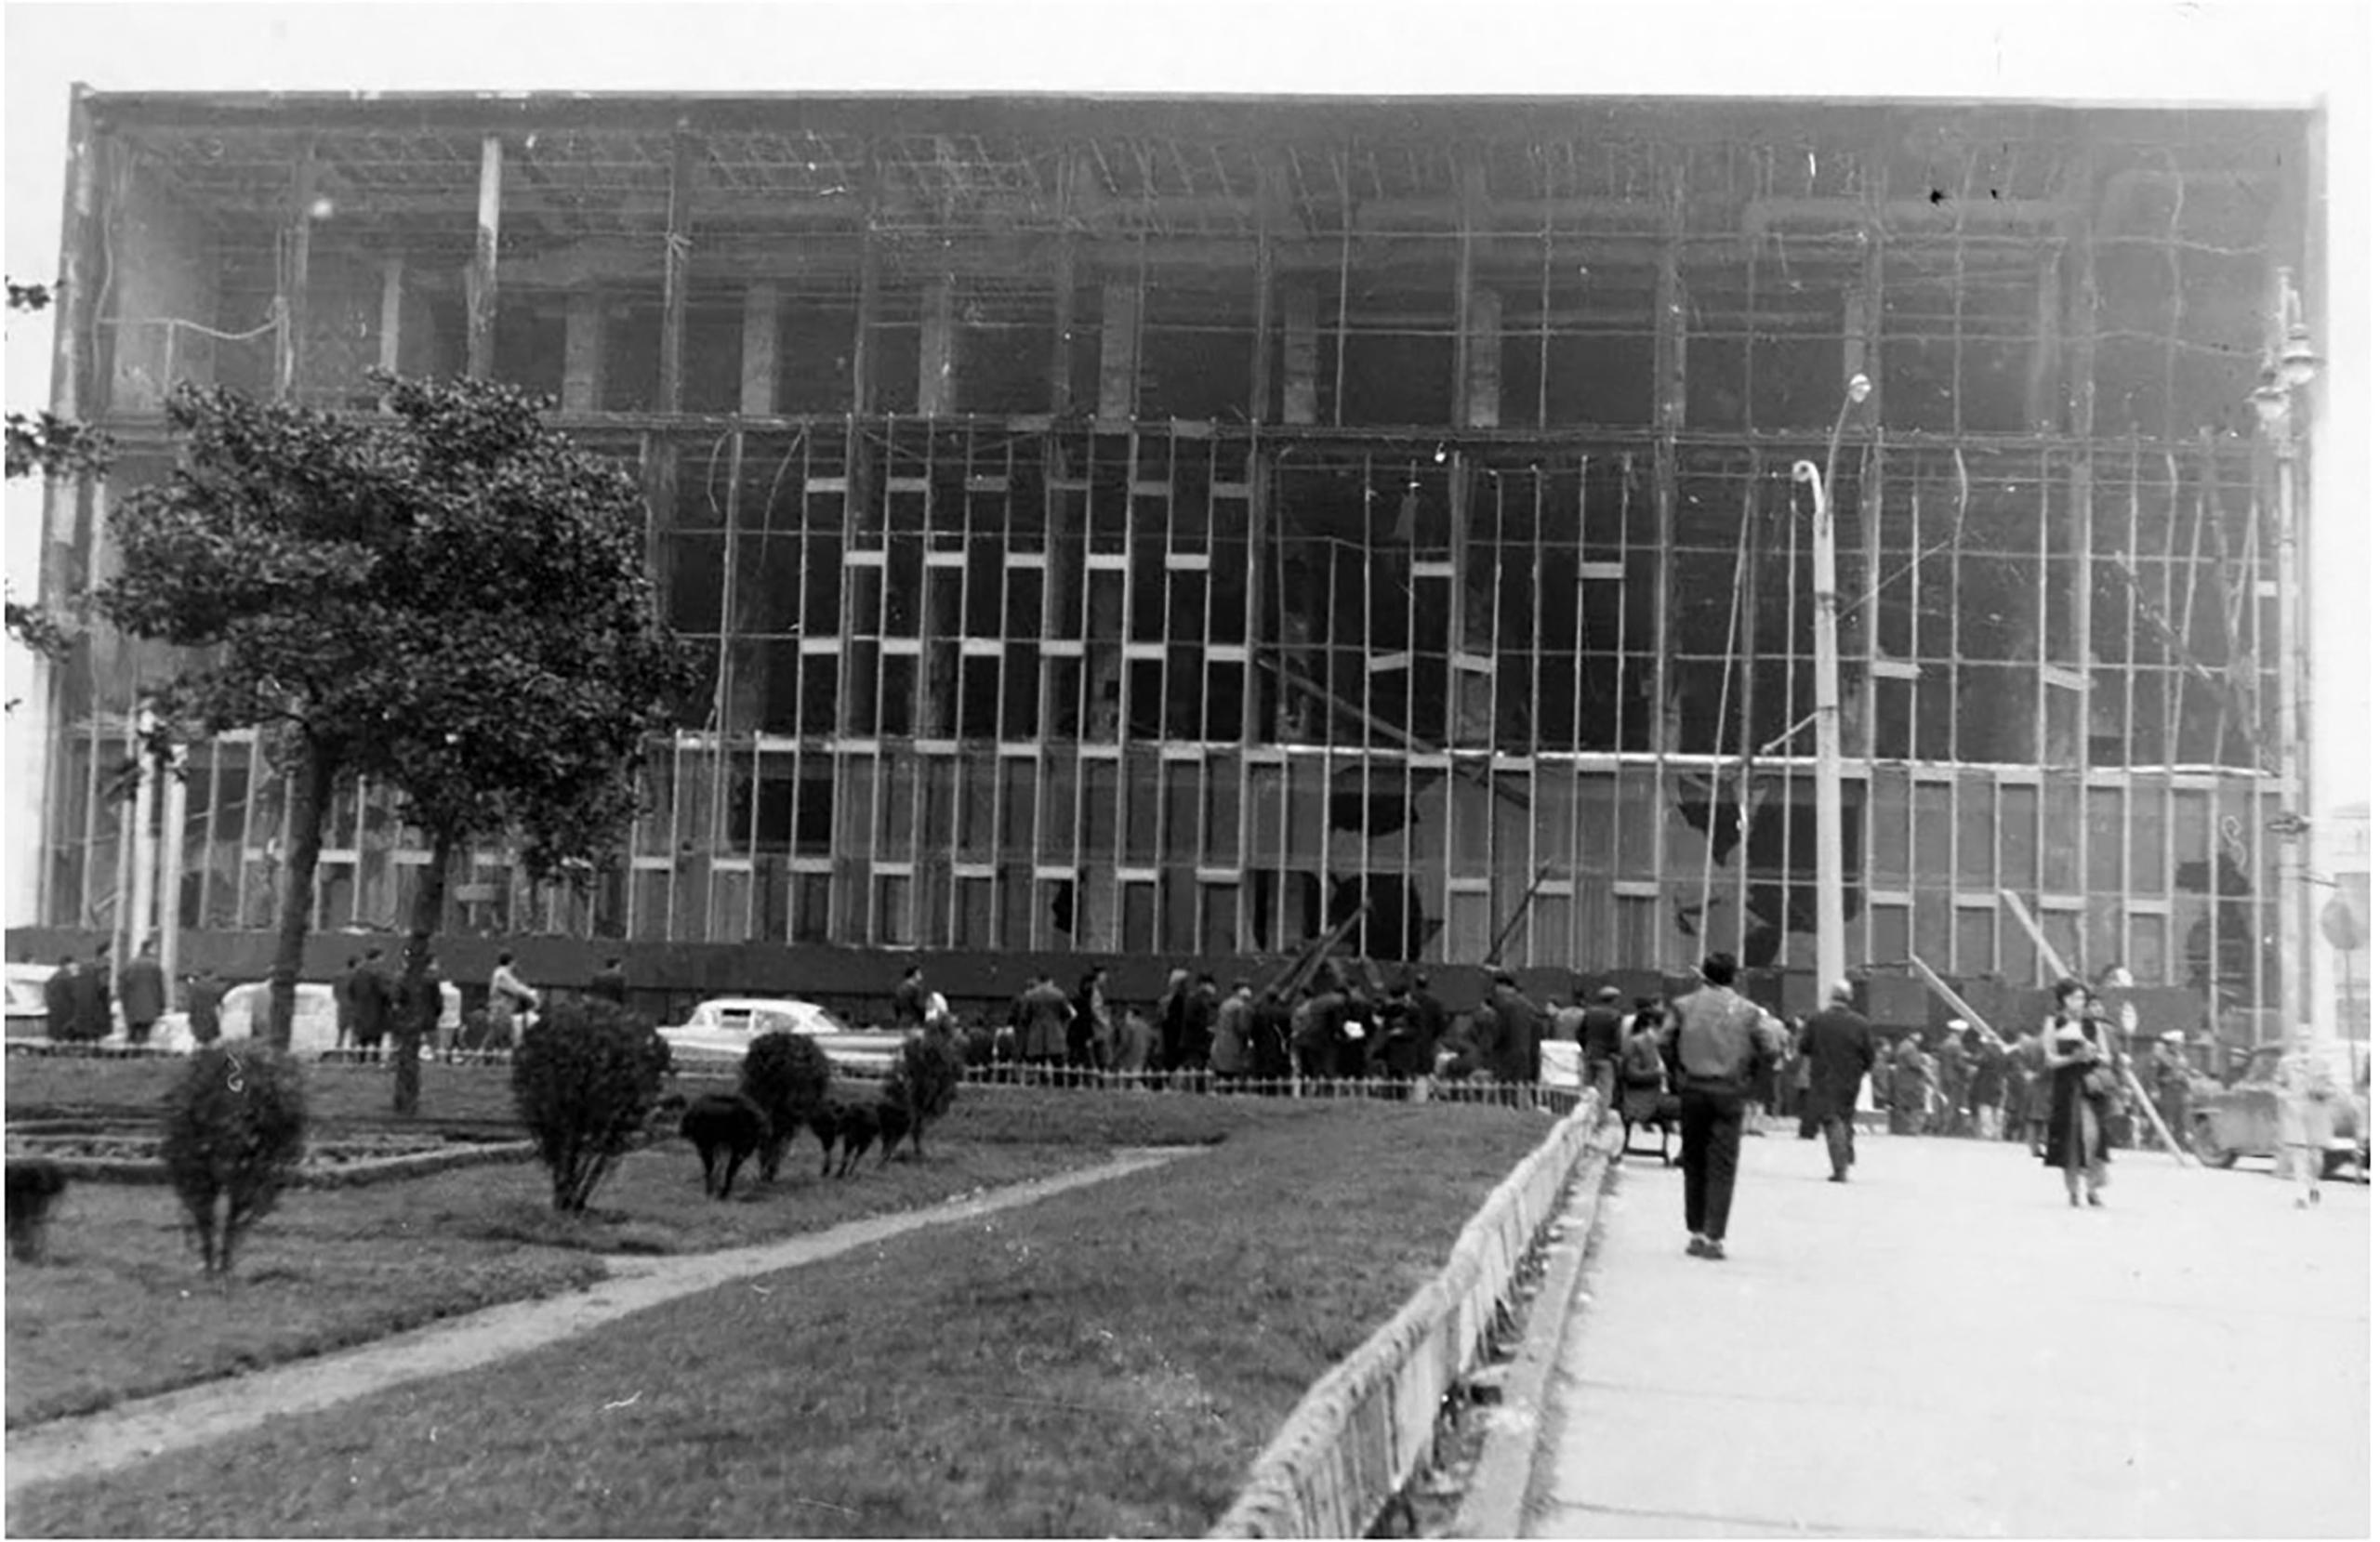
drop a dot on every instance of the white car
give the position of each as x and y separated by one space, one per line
724 1029
314 1027
28 1010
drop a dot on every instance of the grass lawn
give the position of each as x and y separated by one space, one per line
121 1309
336 1094
1104 1363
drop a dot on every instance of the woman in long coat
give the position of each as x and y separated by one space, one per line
2080 1059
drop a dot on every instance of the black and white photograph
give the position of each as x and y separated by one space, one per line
1030 768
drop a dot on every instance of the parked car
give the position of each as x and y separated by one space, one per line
722 1030
2243 1119
28 1013
314 1027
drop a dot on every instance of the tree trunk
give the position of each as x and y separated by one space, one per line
309 789
419 1001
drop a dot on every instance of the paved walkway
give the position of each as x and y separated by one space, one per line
1942 1348
134 1431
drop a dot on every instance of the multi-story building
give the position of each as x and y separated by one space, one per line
1157 526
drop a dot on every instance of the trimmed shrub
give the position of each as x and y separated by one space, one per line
585 1080
234 1133
34 1183
786 1076
925 1082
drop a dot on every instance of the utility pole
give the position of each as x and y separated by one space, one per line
1828 688
2290 366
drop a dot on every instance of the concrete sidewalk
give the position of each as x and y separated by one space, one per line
1942 1347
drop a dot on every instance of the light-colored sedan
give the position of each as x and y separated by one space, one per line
2243 1119
314 1027
28 1008
722 1030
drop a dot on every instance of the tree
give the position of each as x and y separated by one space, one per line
450 597
43 444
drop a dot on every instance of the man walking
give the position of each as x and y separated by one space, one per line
142 990
1600 1032
1722 1041
1838 1047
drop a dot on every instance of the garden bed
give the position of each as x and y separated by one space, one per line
111 1315
1108 1362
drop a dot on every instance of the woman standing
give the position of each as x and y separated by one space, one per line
1644 1077
2081 1078
2303 1082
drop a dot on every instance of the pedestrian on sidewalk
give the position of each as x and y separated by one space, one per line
1645 1096
1838 1047
2307 1099
1724 1043
1601 1030
2081 1084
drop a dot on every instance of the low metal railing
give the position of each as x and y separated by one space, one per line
1363 1431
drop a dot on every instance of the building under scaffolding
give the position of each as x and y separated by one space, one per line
1155 527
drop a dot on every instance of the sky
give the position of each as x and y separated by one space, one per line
2273 53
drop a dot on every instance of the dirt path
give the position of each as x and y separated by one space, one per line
134 1431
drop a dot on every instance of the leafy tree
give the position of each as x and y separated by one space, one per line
450 598
43 444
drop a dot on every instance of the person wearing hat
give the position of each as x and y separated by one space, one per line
1600 1032
1721 1043
1840 1047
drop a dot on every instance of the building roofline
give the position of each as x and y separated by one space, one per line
497 109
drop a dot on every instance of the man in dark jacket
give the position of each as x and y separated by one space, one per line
909 1000
371 996
1600 1032
610 983
57 999
93 1021
1722 1041
1042 1015
1840 1047
204 992
1428 1017
343 998
143 992
1518 1029
1268 1048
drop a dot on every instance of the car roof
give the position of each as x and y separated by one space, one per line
761 1004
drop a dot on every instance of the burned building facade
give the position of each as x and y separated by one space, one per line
1156 527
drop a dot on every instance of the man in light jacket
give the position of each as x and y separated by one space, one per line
1722 1042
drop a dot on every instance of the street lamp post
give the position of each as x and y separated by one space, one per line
2290 370
1828 691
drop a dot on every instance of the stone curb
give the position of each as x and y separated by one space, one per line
1496 1498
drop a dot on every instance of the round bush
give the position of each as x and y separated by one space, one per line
234 1133
585 1080
787 1075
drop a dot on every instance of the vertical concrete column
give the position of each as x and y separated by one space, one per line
677 260
758 398
1300 354
583 348
392 313
298 236
938 351
480 278
1120 349
1484 359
